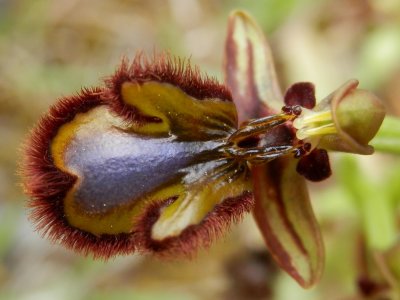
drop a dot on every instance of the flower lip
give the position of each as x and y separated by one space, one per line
159 100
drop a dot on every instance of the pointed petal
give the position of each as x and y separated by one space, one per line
284 215
249 69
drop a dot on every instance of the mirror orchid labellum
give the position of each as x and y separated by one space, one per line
160 159
153 161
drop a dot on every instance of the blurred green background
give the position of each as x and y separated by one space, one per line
53 48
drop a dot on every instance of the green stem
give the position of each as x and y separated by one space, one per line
372 199
388 137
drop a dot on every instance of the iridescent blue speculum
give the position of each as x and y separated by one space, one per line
138 164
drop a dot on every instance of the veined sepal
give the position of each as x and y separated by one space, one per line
286 220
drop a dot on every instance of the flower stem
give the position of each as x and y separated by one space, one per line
388 137
373 201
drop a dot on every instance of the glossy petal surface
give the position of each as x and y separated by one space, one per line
284 215
106 165
123 166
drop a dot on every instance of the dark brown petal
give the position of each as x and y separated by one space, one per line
315 166
301 93
284 215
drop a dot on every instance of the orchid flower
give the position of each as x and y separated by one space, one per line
161 159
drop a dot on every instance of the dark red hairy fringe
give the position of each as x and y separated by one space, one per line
161 68
47 185
195 236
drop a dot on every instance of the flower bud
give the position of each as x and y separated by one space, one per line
344 121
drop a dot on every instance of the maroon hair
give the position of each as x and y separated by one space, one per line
161 68
47 185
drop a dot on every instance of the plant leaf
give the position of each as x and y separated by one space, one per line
284 215
249 69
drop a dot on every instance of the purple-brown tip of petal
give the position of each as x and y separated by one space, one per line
315 166
301 93
193 237
162 68
47 185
